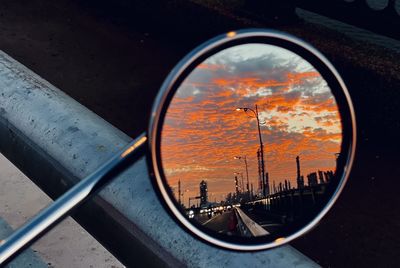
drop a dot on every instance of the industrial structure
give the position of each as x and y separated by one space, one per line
203 193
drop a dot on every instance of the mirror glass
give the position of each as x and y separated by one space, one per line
250 142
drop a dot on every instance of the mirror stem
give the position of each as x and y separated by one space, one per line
59 209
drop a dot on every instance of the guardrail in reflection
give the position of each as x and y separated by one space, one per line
247 226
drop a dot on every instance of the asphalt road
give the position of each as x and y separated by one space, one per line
221 223
113 57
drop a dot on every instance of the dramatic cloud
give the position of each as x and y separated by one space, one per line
203 131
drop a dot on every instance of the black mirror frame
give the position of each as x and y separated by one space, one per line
186 66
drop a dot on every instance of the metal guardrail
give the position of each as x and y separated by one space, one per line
56 141
247 226
28 258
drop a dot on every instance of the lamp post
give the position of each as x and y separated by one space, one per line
265 184
247 171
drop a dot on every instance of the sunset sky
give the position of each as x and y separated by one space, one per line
203 132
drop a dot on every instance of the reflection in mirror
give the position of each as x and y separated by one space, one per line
250 141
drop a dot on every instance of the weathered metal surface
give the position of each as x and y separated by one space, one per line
56 141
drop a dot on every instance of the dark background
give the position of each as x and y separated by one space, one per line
112 57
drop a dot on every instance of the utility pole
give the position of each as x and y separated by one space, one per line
247 174
264 178
264 175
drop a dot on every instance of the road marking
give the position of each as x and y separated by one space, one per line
209 220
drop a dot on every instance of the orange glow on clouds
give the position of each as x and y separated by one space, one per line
203 131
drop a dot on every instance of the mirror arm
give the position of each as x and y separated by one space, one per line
59 209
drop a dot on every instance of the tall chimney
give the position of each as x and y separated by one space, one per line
300 179
298 166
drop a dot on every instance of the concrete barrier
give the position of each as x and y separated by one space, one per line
56 141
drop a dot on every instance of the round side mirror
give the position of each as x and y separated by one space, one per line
252 139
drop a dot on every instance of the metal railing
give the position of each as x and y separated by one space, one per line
247 226
56 141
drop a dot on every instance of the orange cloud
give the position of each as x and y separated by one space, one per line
203 132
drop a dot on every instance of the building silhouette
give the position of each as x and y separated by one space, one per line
328 175
203 193
267 183
312 179
321 177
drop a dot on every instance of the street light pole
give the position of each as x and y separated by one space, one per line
265 184
264 179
